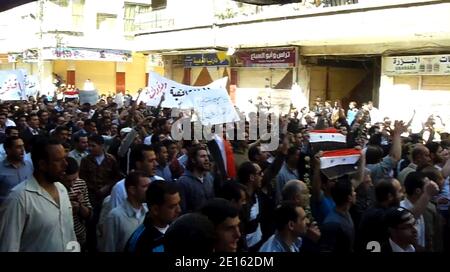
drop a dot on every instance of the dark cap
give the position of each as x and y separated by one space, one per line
397 216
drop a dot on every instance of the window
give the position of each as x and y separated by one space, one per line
106 21
78 14
61 3
132 12
159 4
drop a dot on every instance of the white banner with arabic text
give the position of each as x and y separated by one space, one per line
211 102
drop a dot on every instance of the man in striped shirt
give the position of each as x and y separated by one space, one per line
78 194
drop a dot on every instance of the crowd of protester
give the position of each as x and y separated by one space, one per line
112 178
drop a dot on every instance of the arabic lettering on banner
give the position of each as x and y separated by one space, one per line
417 65
71 53
12 85
275 57
31 84
211 102
210 59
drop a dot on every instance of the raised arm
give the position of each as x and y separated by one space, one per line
396 149
430 189
359 178
316 180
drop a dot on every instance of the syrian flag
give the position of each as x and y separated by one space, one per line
327 139
337 163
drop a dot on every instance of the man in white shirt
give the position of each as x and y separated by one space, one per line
37 215
143 158
419 191
123 220
402 231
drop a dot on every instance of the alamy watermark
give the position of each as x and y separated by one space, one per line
262 125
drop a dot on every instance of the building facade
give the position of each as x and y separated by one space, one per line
76 40
343 49
273 55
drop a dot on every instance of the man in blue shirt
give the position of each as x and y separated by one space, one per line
291 223
13 169
288 171
321 201
196 184
338 232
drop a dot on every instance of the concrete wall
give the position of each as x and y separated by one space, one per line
135 73
102 74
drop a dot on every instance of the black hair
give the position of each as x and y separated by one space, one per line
157 147
445 144
132 178
374 154
372 130
89 122
192 156
77 137
285 213
159 122
341 191
218 210
72 166
157 191
253 151
167 143
413 181
59 129
98 139
433 147
40 112
9 141
137 154
191 233
231 190
383 189
245 170
292 151
31 115
39 149
9 129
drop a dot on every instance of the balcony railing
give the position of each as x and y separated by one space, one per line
232 12
252 11
150 21
335 3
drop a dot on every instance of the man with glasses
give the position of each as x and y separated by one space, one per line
402 231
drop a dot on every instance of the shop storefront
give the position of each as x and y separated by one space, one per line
264 76
420 82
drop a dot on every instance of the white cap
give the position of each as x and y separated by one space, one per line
125 130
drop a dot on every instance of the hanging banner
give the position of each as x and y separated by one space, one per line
417 65
12 85
211 102
71 53
90 97
31 85
210 59
267 57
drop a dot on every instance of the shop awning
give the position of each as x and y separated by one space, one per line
9 4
